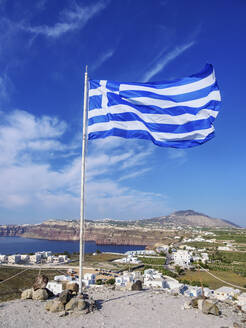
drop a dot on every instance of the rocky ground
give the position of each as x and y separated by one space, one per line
129 309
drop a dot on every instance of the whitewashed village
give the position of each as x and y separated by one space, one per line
175 255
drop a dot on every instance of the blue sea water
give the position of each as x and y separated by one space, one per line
15 245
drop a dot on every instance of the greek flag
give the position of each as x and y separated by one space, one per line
178 114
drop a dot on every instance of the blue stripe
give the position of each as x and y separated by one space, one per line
176 98
139 134
154 127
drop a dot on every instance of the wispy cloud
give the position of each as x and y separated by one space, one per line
178 155
103 58
165 59
75 18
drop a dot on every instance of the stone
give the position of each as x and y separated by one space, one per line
129 286
56 306
48 305
40 295
73 286
27 294
76 304
208 307
50 293
40 282
237 325
82 305
137 285
194 302
243 308
186 306
65 296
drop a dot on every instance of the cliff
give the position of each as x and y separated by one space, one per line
139 232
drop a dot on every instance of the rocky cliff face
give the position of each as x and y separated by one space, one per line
100 233
141 232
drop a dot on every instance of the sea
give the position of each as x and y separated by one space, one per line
18 245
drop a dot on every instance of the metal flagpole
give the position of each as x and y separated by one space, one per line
82 199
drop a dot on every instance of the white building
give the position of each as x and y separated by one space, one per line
25 258
162 248
50 259
152 274
62 258
63 278
36 258
172 283
15 259
224 248
124 279
154 283
224 293
205 257
89 279
129 259
182 258
55 287
3 258
141 252
193 291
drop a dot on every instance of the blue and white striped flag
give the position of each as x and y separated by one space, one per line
178 114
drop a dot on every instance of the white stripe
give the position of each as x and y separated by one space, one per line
155 118
160 136
177 90
146 101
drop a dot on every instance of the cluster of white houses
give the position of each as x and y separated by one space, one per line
37 258
152 279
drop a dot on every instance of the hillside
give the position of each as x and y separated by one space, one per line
191 218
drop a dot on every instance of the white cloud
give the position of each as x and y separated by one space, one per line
102 59
180 156
166 59
73 19
33 189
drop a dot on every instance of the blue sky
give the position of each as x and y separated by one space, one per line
44 47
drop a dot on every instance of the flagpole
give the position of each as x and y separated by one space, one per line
82 196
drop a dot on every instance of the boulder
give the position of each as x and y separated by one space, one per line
56 306
243 308
137 285
27 294
76 304
186 306
50 293
194 302
209 307
48 305
40 282
40 295
129 286
65 296
73 286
